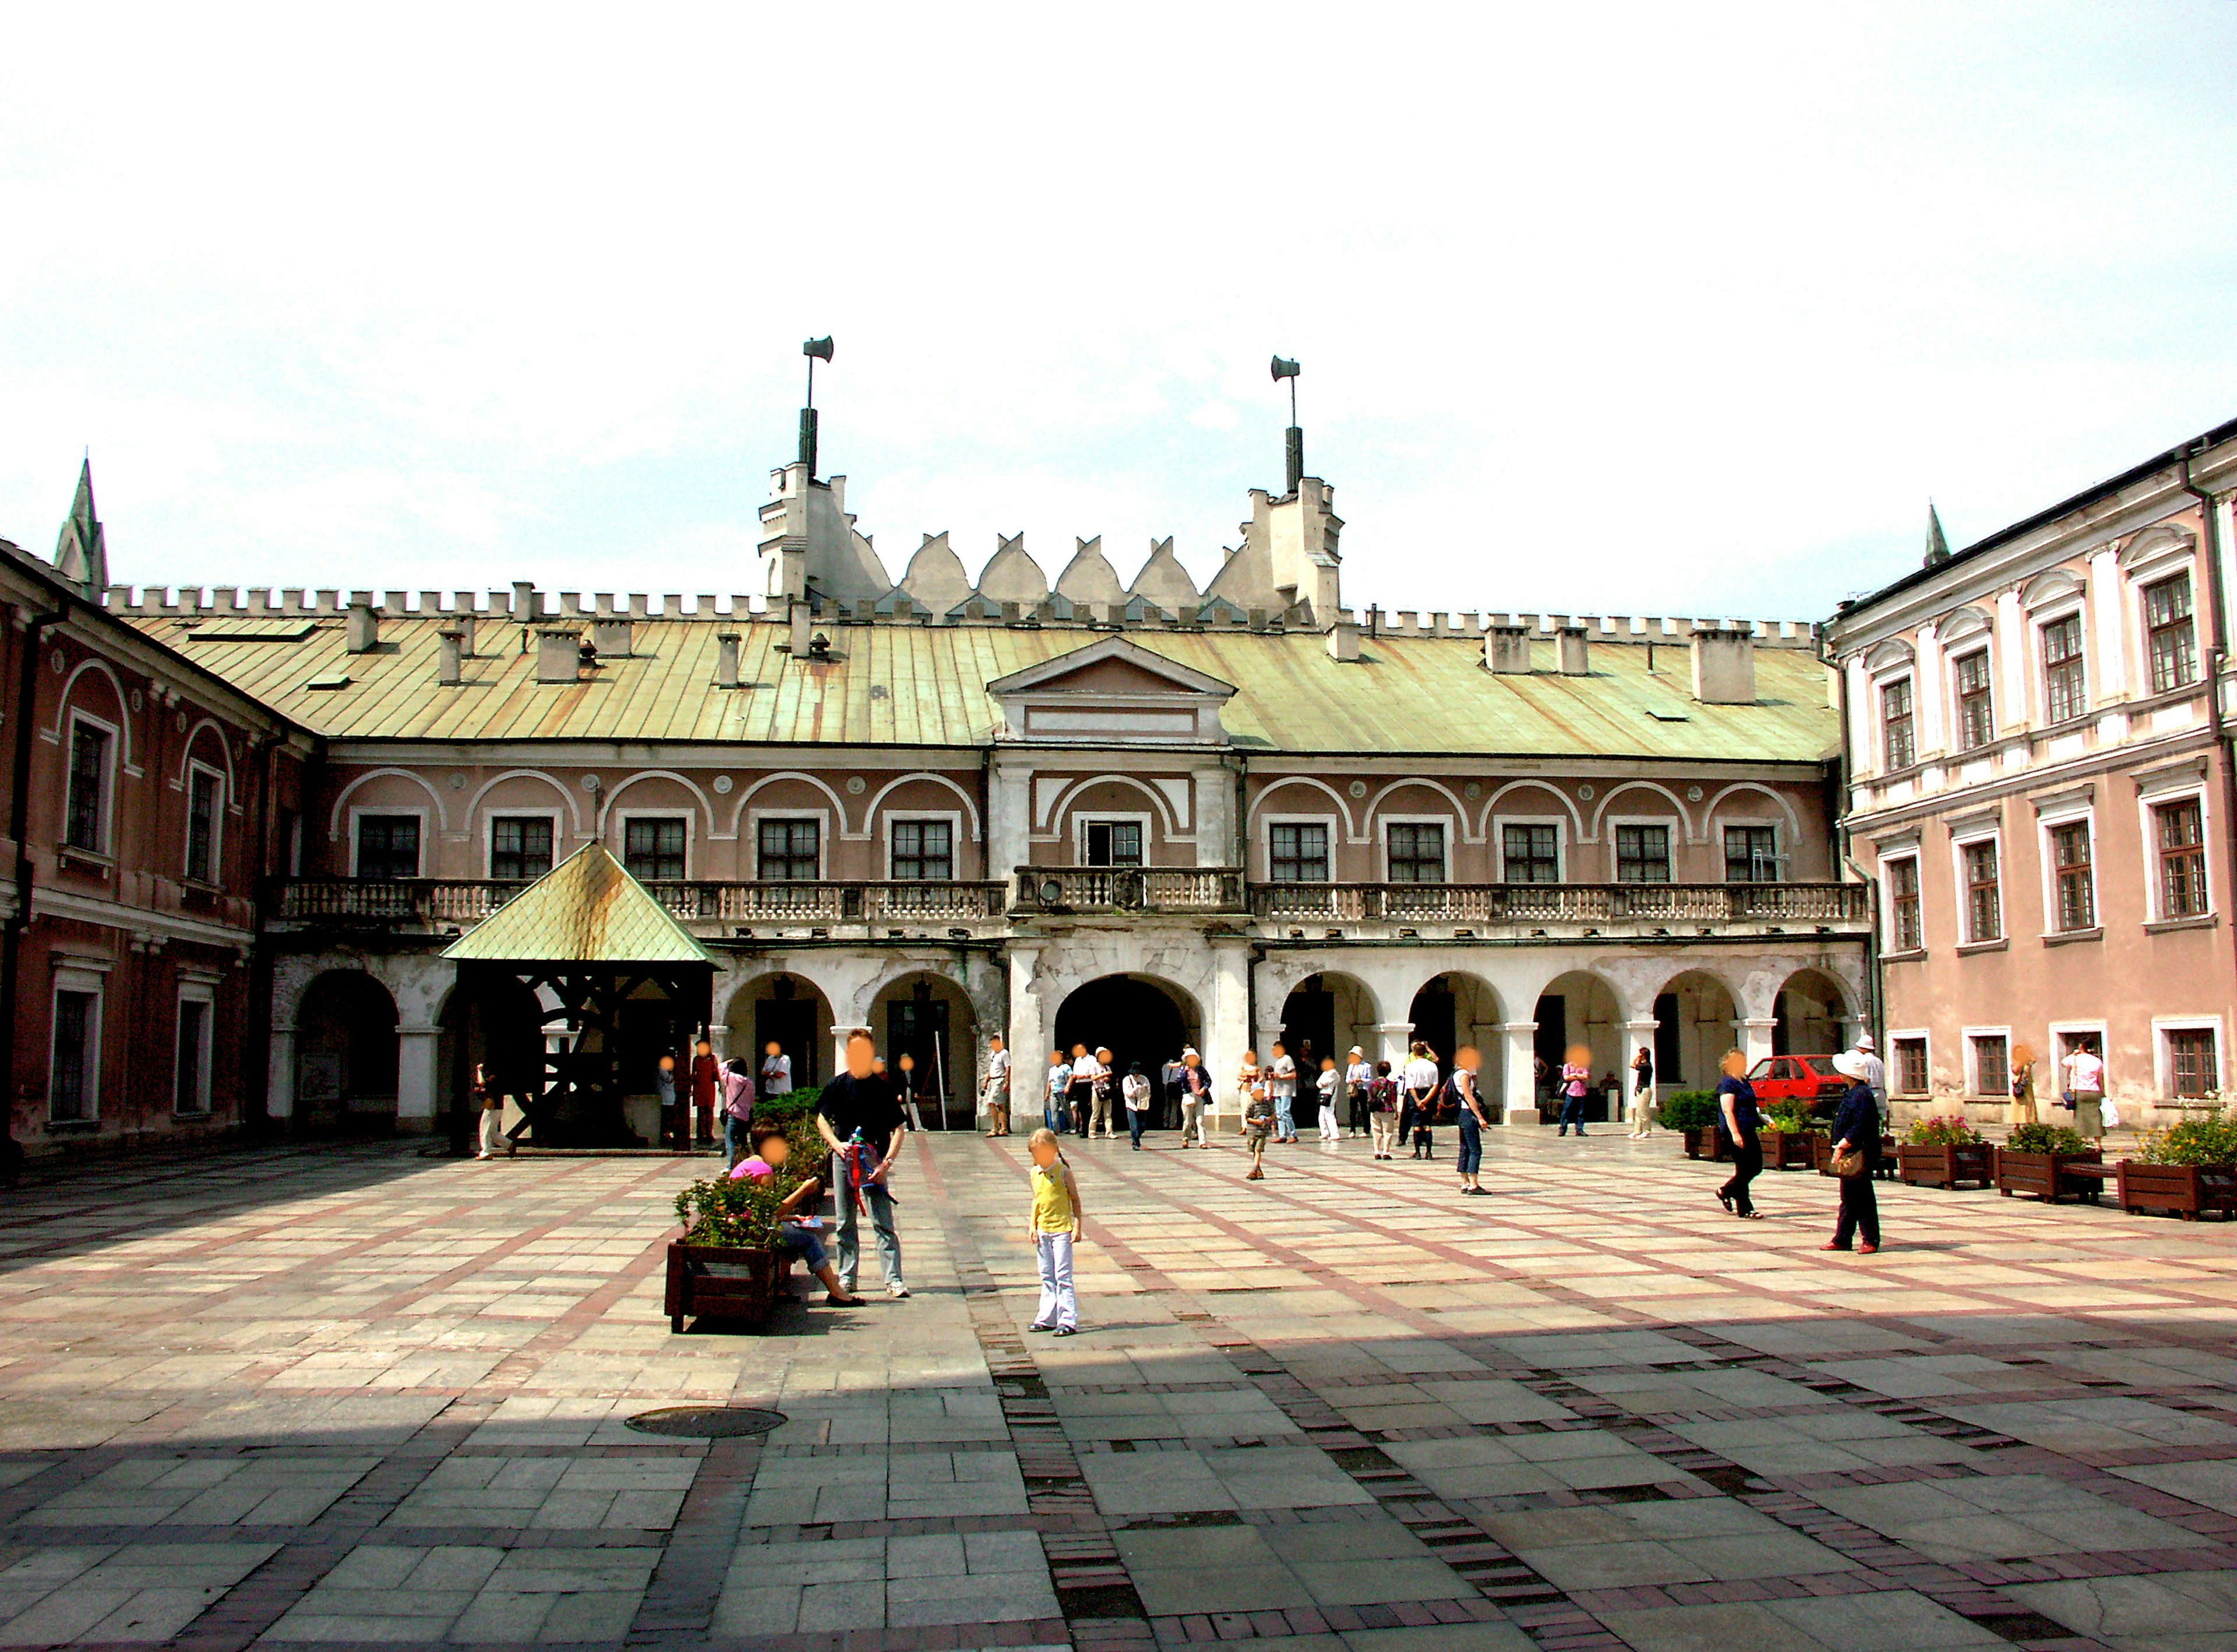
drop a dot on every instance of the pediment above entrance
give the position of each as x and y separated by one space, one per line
1112 691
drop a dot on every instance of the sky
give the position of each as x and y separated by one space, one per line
1620 309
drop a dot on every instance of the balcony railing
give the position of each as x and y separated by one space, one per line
444 903
1562 903
1130 888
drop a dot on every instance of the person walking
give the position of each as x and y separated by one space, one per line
1106 1083
1282 1081
995 1091
776 1070
492 1109
912 1111
1257 1124
1422 1082
1382 1110
1357 1075
671 1118
1576 1079
1856 1154
1471 1117
2021 1109
1875 1074
1056 1105
1134 1091
2085 1089
706 1088
1737 1126
1054 1229
1166 1101
859 1119
1246 1077
1642 1093
737 1108
1328 1083
1196 1096
1082 1094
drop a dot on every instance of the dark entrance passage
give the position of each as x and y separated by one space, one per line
1308 1034
1435 1023
917 1032
788 1022
1137 1020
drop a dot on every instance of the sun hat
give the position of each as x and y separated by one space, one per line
1850 1065
1864 1042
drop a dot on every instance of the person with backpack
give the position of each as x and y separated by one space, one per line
1422 1084
1382 1110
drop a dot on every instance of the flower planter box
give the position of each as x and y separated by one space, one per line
2187 1190
1796 1150
2037 1174
1947 1164
720 1281
1703 1143
1821 1155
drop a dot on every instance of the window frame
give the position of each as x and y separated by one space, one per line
213 874
1083 823
1445 825
1973 1087
1750 823
1959 699
1555 824
2189 624
625 818
1967 930
82 983
1329 837
1892 937
2165 1029
821 819
952 819
1923 1038
1672 834
2049 827
2151 802
489 836
204 995
357 812
106 804
2072 670
1908 683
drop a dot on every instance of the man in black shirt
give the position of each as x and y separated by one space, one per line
859 1117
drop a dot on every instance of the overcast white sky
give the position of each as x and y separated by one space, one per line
1626 309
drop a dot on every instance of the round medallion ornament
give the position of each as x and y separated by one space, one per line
138 699
1473 790
458 783
722 785
1693 794
1357 788
1585 792
179 721
856 785
55 660
589 782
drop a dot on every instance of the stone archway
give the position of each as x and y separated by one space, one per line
1578 1007
1322 1017
1810 1015
1139 1019
927 1018
789 1011
1697 1020
347 1049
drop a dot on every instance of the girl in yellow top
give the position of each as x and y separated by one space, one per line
1054 1228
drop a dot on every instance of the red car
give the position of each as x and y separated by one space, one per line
1795 1078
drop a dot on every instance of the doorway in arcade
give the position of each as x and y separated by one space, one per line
1138 1020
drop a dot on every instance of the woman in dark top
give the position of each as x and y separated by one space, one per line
1737 1124
1857 1125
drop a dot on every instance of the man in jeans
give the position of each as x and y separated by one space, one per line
1281 1083
857 1116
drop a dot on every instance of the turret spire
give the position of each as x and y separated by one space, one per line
1937 548
81 550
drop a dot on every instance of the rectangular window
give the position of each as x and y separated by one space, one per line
1984 915
1976 711
2192 1067
1416 853
88 773
190 1086
924 850
1904 913
202 826
2181 832
387 847
652 850
1531 854
789 851
71 1076
2065 687
2171 638
2076 888
1642 854
1898 742
1751 855
1298 854
1114 843
520 847
1992 1070
1910 1066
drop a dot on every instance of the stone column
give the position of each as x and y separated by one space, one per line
1392 1041
417 1082
280 1085
1228 1034
1522 1073
1637 1036
1029 1034
718 1034
1755 1037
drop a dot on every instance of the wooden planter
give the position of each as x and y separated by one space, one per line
1946 1165
1703 1143
1796 1150
2037 1174
724 1281
2187 1190
1821 1155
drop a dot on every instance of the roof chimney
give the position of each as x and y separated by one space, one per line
1724 666
559 655
1343 640
466 634
364 628
447 657
610 637
798 618
726 659
1572 653
525 604
1506 650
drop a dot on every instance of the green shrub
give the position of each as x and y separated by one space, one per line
1942 1132
1792 1118
2045 1138
1688 1110
2194 1142
723 1212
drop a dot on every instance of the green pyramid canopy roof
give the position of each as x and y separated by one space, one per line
586 909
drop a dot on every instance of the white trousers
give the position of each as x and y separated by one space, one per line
1058 1305
1192 1122
1331 1130
492 1132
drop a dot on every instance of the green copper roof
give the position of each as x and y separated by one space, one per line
586 909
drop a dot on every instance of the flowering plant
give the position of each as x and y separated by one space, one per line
2045 1138
1945 1131
2194 1142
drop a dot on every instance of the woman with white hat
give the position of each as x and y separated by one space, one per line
1855 1148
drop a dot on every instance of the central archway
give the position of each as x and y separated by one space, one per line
1137 1019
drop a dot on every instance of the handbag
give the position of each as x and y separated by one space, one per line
1849 1164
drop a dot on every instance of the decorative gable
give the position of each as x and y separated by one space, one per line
1112 691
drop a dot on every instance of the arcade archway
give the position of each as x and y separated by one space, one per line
1139 1019
346 1056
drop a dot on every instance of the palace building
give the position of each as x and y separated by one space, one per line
1134 814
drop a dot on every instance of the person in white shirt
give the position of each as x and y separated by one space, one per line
997 1092
1134 1090
1357 1075
1327 1083
1875 1074
1282 1085
776 1070
1083 1076
1196 1094
1421 1082
2085 1091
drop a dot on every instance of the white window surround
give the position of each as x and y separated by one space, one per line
1559 823
1678 840
92 983
2163 1061
2152 796
1877 712
2136 619
1384 823
2039 621
752 844
1266 824
503 812
955 822
1967 1034
108 777
205 993
1774 823
2047 860
690 819
2051 1069
2000 714
1963 886
1083 819
1887 904
418 811
1894 1065
217 822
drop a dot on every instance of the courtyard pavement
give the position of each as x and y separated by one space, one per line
358 1396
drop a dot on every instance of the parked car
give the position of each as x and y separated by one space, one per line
1796 1078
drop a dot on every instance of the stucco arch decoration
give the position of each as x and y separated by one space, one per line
1693 832
1891 655
1532 783
1342 808
2053 584
225 757
1374 805
1785 809
1970 621
608 799
738 813
418 984
984 984
2162 541
574 809
341 802
1159 800
100 667
732 985
1281 973
970 805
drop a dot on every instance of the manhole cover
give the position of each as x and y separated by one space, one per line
707 1421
